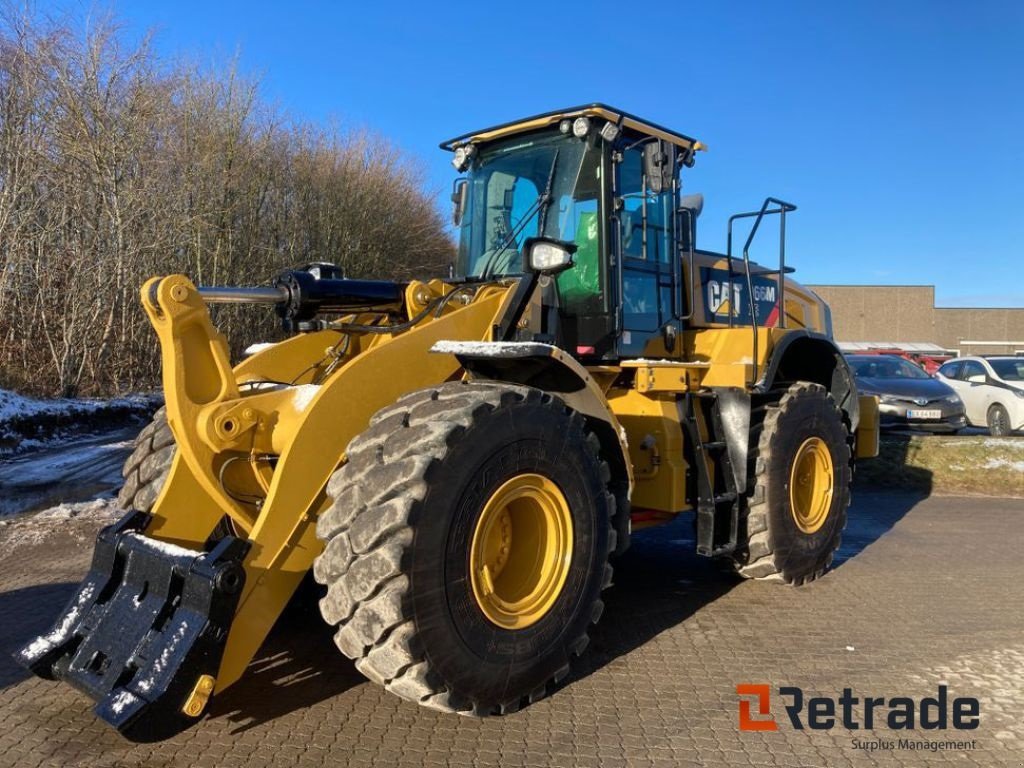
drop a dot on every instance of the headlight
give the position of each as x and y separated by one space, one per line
955 399
1019 393
462 157
888 399
580 127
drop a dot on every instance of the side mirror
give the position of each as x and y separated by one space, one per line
978 378
547 255
459 191
659 165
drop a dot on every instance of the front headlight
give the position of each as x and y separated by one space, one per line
955 399
890 399
1019 393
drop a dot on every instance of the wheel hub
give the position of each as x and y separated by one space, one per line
811 485
521 551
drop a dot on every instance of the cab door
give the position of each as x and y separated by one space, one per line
647 255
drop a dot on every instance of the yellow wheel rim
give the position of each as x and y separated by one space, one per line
811 485
521 550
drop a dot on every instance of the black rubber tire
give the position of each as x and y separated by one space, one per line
397 545
145 470
775 549
998 421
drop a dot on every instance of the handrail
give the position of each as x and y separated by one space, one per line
690 266
782 210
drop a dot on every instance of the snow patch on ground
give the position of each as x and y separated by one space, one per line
29 424
15 406
1016 466
1016 444
1008 443
37 528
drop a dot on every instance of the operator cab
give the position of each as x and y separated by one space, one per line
601 185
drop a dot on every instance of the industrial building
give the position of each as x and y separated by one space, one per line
892 316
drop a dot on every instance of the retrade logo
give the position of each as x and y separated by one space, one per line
763 696
938 712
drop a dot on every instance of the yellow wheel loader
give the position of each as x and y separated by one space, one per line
459 460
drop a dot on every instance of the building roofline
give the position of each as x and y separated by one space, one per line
1002 309
870 285
814 286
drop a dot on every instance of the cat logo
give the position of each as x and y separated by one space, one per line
718 297
730 296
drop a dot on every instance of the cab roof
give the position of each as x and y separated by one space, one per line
623 119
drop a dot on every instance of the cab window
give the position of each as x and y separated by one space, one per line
645 239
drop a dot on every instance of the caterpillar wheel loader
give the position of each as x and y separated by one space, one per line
459 460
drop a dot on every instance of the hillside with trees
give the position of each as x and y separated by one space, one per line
117 165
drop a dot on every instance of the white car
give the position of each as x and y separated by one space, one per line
992 389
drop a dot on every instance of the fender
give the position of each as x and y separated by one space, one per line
803 355
549 368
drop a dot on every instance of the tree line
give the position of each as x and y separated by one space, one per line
116 166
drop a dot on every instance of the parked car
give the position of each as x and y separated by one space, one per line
927 360
992 389
908 396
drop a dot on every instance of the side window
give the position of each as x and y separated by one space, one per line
950 370
972 368
645 219
645 238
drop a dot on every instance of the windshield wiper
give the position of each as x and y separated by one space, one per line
541 204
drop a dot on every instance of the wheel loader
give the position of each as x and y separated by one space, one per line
459 460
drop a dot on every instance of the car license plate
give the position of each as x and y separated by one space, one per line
932 414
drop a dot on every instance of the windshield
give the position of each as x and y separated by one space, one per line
503 204
1008 369
881 367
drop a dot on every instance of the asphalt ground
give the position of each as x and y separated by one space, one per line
925 592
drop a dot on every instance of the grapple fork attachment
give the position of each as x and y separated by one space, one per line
144 633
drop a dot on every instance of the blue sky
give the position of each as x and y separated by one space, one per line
896 127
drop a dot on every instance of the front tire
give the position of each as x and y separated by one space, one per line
436 596
800 487
998 421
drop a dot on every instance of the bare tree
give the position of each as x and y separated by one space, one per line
115 167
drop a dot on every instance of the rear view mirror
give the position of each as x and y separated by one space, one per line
459 190
978 378
659 165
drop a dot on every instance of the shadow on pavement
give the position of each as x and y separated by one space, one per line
27 613
298 666
893 469
872 514
658 583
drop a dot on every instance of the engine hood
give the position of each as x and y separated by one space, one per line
905 388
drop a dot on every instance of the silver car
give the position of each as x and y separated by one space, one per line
908 396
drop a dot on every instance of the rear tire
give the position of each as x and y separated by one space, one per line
402 527
998 421
145 471
792 536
